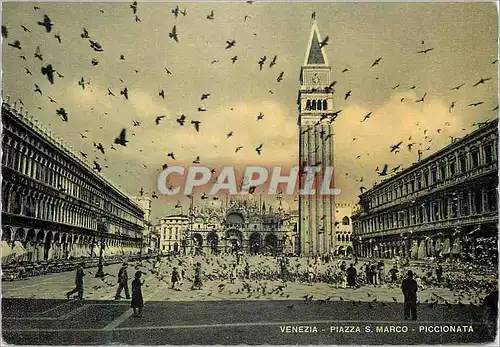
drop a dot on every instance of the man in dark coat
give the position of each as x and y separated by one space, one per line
491 304
122 282
78 283
351 276
409 288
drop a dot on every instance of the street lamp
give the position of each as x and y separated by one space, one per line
101 228
140 249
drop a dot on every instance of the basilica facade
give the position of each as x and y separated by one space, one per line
237 226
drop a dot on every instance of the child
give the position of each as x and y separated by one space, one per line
310 274
233 273
137 301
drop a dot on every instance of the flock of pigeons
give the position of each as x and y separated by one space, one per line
265 283
45 24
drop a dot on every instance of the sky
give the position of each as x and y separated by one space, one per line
460 39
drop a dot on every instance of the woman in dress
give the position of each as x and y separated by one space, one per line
137 301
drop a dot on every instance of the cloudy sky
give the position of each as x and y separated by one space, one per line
462 36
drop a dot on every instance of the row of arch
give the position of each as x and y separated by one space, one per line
320 105
344 238
256 243
45 245
21 200
415 249
345 251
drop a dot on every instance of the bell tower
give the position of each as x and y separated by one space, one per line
316 115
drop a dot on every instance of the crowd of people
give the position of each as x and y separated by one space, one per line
411 277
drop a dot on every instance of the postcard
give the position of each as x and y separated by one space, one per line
249 172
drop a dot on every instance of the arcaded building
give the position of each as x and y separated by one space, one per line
54 205
446 205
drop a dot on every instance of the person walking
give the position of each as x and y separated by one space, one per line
381 272
232 274
197 283
409 288
122 282
78 283
368 277
246 271
373 273
175 278
137 301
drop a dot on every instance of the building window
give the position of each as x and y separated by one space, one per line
463 164
488 153
433 175
308 105
338 238
444 208
454 207
442 172
452 167
478 202
474 158
319 105
492 198
345 221
313 106
464 203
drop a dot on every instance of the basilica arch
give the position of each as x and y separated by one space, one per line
235 240
235 220
255 243
271 243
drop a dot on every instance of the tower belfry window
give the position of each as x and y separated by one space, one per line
325 105
314 105
308 105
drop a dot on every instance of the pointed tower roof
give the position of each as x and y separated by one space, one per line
314 54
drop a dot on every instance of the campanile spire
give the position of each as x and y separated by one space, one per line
315 55
315 121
